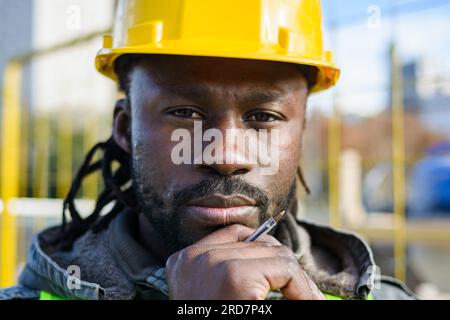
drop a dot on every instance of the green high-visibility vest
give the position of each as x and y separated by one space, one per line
44 295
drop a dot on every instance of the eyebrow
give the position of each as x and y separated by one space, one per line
264 96
192 92
204 93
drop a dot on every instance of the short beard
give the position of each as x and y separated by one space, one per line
163 211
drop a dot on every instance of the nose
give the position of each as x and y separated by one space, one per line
238 152
226 169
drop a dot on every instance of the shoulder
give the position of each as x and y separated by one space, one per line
392 289
19 292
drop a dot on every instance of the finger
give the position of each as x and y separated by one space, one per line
234 233
318 295
228 234
269 239
254 251
282 274
301 287
201 248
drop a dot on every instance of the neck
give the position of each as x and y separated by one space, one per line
151 240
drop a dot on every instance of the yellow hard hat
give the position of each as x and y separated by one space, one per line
273 30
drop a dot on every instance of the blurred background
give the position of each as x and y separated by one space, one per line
376 152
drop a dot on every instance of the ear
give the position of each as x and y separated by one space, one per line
122 125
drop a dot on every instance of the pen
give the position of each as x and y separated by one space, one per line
266 227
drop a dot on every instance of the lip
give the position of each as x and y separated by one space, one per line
221 201
215 210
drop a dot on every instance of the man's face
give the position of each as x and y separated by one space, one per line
185 202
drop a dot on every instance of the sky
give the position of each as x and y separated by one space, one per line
360 31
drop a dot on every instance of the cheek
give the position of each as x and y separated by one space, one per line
291 134
152 154
290 143
278 184
281 182
290 147
290 153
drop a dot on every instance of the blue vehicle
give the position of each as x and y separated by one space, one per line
430 184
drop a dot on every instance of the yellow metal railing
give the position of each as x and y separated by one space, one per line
10 159
41 174
65 147
398 161
14 154
90 188
334 153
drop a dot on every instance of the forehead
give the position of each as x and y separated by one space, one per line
205 76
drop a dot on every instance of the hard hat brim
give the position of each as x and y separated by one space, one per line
328 74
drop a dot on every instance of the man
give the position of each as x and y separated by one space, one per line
177 229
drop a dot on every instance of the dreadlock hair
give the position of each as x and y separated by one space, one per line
117 184
117 190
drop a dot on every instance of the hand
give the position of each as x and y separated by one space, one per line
221 266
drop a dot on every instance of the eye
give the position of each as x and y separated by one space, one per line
186 113
263 116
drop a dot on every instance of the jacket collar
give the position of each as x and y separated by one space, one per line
44 274
339 262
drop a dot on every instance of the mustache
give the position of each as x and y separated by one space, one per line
221 185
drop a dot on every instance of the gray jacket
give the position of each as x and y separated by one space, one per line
112 265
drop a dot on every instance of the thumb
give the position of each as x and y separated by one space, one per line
231 233
234 233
